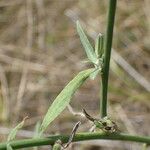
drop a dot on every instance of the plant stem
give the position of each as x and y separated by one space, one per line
78 137
107 54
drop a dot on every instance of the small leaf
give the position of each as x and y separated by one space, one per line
9 147
14 131
63 99
99 45
86 44
37 129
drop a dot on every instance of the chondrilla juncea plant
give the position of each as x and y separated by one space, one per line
99 56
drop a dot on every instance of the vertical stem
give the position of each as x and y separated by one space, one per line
107 54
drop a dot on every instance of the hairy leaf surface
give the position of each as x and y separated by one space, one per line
86 44
99 45
63 99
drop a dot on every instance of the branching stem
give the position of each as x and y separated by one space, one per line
78 137
17 144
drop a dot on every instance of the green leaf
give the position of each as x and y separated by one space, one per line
36 132
9 147
63 99
99 45
37 129
86 44
94 74
14 131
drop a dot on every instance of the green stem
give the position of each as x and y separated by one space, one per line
78 137
107 54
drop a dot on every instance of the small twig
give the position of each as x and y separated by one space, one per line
71 110
73 132
21 90
88 116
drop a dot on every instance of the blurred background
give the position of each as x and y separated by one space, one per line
40 52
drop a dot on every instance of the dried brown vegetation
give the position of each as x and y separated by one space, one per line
40 52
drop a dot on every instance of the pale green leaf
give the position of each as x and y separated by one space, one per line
9 147
36 132
94 74
86 44
99 45
14 131
37 129
63 99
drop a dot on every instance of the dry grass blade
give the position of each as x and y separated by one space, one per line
41 24
5 94
23 81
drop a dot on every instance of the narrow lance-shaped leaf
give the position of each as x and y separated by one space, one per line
14 131
63 99
99 45
86 44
